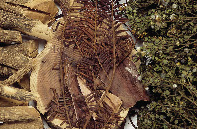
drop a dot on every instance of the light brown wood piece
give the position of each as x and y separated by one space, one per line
31 27
25 82
45 76
15 93
28 48
7 102
12 58
6 71
20 73
9 36
20 117
11 8
44 10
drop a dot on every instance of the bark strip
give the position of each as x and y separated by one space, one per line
12 58
9 36
20 117
31 27
15 93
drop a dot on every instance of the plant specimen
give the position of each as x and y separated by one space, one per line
83 78
168 61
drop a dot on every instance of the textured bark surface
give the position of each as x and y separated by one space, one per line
82 78
28 48
25 25
46 75
9 36
15 93
12 58
20 117
6 71
7 102
44 10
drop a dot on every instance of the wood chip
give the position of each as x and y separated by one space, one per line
15 93
7 102
44 10
20 117
12 58
25 25
9 36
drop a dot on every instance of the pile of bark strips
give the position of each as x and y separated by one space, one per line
26 74
23 24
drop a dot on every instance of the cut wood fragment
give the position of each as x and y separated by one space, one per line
20 117
6 71
10 36
11 8
25 82
15 93
7 102
44 77
125 84
25 25
28 48
44 10
12 58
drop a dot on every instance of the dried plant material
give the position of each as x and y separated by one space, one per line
28 48
126 84
11 8
6 71
92 31
9 36
25 82
7 102
47 6
24 24
44 10
113 101
12 58
20 117
44 18
15 93
88 43
45 76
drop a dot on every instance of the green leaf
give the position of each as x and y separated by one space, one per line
166 92
165 61
176 122
146 39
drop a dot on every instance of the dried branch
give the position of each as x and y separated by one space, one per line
20 117
15 93
12 58
44 10
24 24
9 36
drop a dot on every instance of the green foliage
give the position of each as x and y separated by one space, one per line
168 61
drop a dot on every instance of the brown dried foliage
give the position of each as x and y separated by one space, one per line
94 30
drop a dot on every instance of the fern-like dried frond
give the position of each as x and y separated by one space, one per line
95 44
